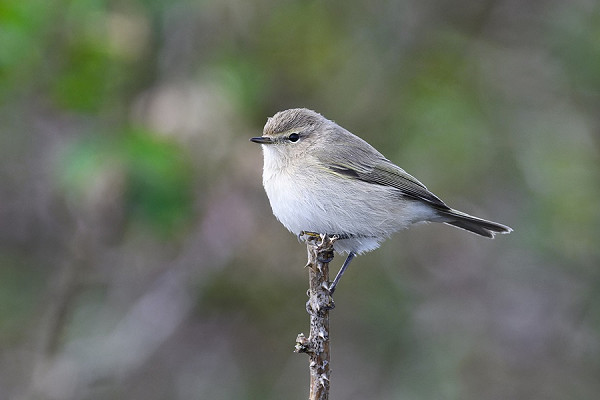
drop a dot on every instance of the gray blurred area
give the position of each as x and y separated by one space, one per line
139 258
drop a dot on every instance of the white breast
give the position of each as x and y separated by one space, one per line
302 201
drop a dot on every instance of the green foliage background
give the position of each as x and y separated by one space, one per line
139 258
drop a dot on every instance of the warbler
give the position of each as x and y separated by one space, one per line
321 178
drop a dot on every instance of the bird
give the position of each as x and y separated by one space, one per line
321 178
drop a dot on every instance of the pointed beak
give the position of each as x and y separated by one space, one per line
262 140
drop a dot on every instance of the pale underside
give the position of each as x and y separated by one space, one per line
301 201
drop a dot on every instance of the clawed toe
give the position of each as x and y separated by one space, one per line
324 260
310 235
331 288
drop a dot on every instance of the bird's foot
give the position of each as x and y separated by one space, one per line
309 236
325 258
331 288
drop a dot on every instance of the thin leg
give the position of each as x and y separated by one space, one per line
351 255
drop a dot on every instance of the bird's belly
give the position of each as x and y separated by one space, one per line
340 206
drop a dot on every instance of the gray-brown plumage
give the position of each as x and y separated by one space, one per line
321 178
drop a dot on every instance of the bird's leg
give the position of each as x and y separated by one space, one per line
315 236
329 256
351 255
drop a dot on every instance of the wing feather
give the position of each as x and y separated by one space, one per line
388 174
342 158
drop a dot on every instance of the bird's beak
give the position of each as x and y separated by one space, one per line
262 140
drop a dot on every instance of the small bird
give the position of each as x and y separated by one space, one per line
321 178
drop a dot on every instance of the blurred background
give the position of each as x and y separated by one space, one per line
139 258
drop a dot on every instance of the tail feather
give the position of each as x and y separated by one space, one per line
472 224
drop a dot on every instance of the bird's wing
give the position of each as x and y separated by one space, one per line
350 156
384 172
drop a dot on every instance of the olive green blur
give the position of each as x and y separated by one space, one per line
139 258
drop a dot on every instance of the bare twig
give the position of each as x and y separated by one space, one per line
320 253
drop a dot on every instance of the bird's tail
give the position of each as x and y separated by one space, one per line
472 224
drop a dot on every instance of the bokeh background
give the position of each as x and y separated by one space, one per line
139 258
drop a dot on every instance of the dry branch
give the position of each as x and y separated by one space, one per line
320 253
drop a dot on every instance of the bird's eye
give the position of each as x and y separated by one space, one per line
293 137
